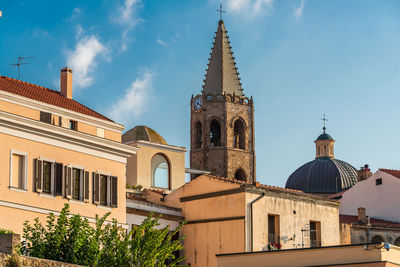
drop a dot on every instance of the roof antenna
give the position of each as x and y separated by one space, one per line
20 59
325 120
220 12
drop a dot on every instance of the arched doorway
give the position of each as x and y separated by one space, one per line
240 175
215 133
239 135
160 171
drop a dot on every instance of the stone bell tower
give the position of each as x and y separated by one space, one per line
222 118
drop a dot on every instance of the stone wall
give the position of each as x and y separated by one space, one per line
34 262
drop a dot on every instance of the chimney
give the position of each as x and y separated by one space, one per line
66 82
362 218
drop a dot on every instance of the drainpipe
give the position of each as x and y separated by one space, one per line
251 219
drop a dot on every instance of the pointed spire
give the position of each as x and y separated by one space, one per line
222 76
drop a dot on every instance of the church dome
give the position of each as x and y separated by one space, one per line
323 175
143 133
324 136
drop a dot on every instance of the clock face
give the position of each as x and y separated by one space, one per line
197 103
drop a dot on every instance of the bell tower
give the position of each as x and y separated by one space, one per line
222 118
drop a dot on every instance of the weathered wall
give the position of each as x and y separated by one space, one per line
295 214
36 262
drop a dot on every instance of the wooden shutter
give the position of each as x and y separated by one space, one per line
86 186
68 182
96 187
114 191
58 177
38 175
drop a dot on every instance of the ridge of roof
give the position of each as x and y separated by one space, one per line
395 173
46 95
271 187
221 74
346 218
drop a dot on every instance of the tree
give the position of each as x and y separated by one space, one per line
70 238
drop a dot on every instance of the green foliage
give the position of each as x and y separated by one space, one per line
72 239
5 231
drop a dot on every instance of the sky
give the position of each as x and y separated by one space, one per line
139 62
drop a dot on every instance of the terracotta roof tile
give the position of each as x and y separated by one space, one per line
45 95
270 187
395 173
344 218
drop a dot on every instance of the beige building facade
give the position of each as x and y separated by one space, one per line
229 216
55 151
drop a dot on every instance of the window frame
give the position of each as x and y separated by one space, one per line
276 234
25 170
53 163
109 192
153 171
378 181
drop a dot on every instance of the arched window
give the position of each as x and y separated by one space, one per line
198 135
377 239
240 175
397 242
160 171
215 133
319 150
238 135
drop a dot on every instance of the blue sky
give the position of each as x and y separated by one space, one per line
140 61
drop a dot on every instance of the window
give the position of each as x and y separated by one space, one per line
378 181
18 164
45 117
397 242
160 171
198 138
215 133
105 189
240 175
315 234
73 125
239 135
273 229
77 184
47 167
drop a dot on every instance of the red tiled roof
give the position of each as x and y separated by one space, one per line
344 218
271 187
395 173
45 95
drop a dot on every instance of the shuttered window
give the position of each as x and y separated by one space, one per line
86 187
114 191
38 175
96 188
58 179
105 190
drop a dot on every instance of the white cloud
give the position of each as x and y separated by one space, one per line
161 42
299 10
133 102
83 59
249 7
125 15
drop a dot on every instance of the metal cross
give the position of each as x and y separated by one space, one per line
220 11
325 120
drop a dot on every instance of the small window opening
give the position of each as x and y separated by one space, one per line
378 181
238 135
240 175
73 125
215 133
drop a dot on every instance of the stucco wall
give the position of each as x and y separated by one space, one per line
380 201
295 214
314 257
18 206
139 166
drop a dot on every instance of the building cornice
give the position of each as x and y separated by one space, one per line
157 145
59 111
62 137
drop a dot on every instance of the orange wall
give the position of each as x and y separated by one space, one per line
33 199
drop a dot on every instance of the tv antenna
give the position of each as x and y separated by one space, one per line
19 63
